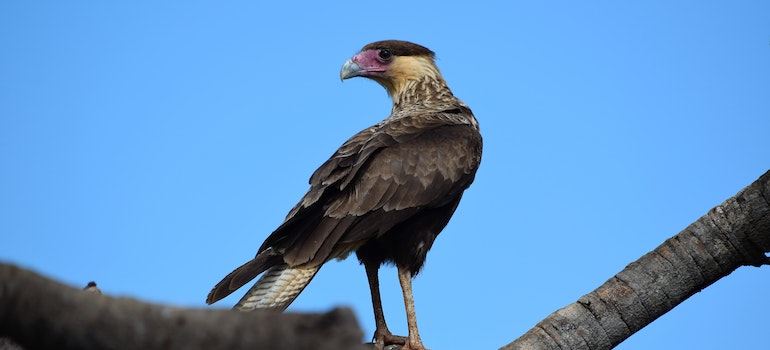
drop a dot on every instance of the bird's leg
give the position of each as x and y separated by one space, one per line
382 335
413 341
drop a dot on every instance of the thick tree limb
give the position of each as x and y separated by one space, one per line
38 313
733 234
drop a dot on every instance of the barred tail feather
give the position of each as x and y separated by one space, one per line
277 288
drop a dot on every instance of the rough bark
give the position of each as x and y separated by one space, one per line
38 313
735 233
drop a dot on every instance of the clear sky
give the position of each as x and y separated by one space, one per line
152 146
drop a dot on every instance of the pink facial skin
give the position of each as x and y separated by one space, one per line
370 63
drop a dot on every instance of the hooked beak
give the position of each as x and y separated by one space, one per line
350 69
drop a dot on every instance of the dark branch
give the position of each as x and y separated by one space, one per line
735 233
38 313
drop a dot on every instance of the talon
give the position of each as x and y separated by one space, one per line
383 338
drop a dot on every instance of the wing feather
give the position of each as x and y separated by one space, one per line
425 171
381 176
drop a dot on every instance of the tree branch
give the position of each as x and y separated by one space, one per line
38 313
733 234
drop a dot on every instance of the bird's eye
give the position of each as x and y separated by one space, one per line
385 54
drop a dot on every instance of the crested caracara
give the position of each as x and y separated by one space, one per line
385 194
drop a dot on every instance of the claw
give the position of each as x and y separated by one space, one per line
383 338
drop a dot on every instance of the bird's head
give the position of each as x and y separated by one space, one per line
392 63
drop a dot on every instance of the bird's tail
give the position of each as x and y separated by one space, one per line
277 288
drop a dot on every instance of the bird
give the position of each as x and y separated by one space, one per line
92 288
385 194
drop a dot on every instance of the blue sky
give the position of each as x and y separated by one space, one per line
151 147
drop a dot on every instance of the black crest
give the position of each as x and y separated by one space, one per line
400 48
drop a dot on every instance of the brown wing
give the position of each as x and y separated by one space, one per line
304 220
404 166
423 171
378 178
406 179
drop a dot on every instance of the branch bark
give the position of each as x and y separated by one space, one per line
735 233
38 313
